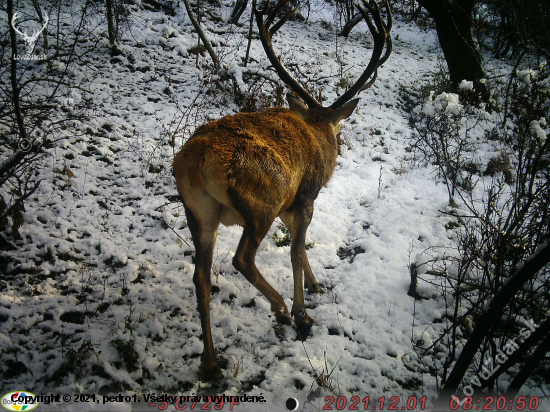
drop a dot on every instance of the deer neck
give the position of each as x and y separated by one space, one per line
328 144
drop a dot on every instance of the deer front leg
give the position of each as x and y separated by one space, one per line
297 221
310 282
244 262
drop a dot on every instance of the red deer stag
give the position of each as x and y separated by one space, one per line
249 168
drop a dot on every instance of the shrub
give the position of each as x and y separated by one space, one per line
496 168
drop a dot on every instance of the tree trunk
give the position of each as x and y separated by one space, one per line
453 19
111 24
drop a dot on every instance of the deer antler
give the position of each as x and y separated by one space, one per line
13 19
266 34
46 20
379 29
36 32
381 34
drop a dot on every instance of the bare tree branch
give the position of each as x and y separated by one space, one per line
527 272
197 26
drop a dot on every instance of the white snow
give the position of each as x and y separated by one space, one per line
466 85
444 102
115 259
536 127
526 75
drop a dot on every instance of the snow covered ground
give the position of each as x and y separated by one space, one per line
110 306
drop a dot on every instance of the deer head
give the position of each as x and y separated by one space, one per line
247 169
30 40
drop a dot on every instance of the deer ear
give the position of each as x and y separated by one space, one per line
343 112
297 106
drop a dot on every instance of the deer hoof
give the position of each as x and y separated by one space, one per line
283 319
313 288
303 321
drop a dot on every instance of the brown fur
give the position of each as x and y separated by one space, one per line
248 169
270 154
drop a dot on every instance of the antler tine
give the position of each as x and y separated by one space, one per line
271 18
35 31
273 14
375 11
280 23
389 48
266 36
382 28
380 32
380 63
13 19
370 82
389 24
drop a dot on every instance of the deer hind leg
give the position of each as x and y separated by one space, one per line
204 228
244 262
297 221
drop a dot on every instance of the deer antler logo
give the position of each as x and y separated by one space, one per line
30 40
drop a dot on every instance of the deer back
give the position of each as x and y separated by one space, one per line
272 155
